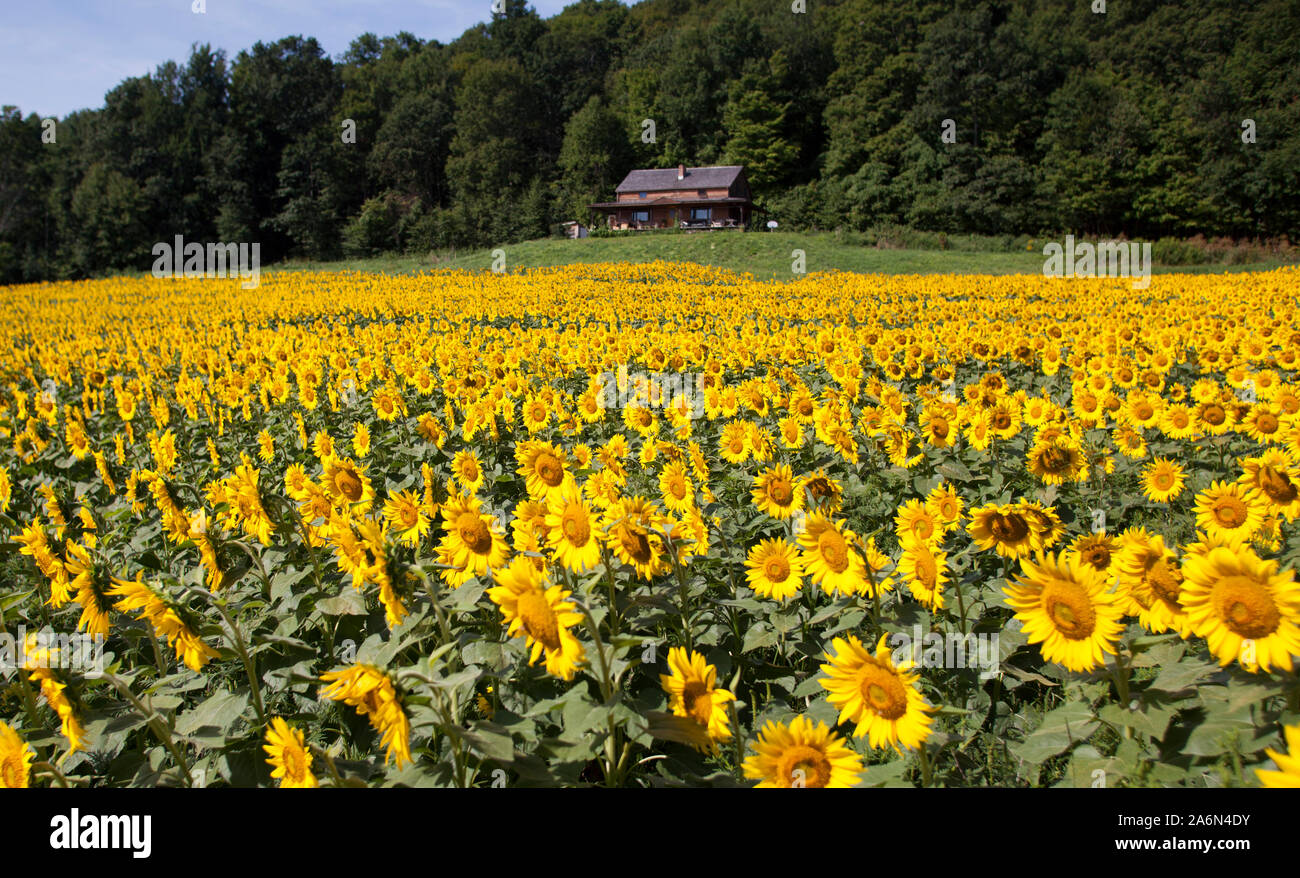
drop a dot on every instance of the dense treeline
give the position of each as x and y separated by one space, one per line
1127 122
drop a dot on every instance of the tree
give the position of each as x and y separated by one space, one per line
754 123
596 156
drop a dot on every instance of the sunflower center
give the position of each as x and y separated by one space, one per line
832 548
677 487
736 445
923 527
539 619
1246 607
883 691
348 485
474 533
1266 423
1009 528
1162 480
926 572
549 469
294 769
1001 420
576 528
1277 486
1143 411
1214 415
1097 556
697 702
409 515
1070 610
1230 512
780 492
776 568
940 429
11 772
469 471
804 766
1055 460
636 544
1165 582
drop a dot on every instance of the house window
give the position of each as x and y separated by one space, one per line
701 213
640 195
641 216
703 193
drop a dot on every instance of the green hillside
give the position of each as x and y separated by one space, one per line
765 254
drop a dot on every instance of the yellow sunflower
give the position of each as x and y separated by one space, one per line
541 614
884 699
829 556
374 695
802 755
473 542
915 521
1162 480
1057 461
16 757
405 517
1288 764
1064 605
468 471
925 569
348 484
692 693
946 505
135 595
776 492
1245 608
289 756
1276 480
824 494
774 569
1005 529
543 467
631 526
571 527
1097 550
675 486
1149 585
1229 512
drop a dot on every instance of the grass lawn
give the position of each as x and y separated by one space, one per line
765 254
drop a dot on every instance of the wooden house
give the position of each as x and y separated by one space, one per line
681 197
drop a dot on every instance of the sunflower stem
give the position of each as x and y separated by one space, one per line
250 664
1120 674
156 724
48 768
329 762
926 775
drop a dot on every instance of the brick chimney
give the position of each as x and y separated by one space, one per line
681 172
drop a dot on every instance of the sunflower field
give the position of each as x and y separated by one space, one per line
364 530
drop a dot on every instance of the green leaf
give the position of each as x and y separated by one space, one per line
1061 728
757 637
211 721
1183 675
345 603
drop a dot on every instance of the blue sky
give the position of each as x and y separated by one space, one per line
57 56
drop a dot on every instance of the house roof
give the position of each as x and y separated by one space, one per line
662 179
664 200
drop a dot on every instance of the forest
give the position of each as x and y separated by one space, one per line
1148 119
